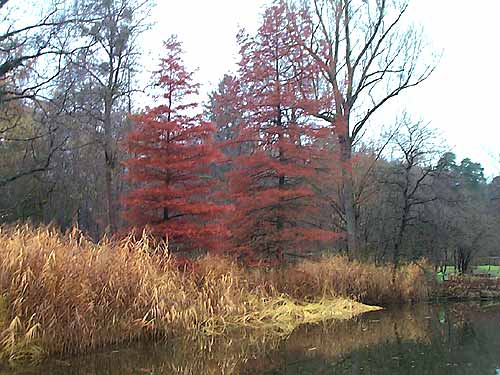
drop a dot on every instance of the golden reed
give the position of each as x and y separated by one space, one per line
62 293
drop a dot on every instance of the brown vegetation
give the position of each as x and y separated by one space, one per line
66 294
468 288
337 276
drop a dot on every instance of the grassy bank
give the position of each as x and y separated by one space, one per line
64 294
468 287
490 270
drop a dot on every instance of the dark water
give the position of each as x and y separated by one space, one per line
426 339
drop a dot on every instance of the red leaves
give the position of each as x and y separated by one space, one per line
272 180
275 152
172 151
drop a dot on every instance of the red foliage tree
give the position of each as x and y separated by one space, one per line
272 179
172 148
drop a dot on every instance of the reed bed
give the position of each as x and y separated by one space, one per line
61 293
337 276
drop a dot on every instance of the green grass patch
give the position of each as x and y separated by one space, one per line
484 269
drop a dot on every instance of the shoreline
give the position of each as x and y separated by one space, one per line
64 294
281 318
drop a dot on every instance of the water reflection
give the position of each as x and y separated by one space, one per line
440 339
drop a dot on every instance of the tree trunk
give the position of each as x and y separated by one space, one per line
350 214
348 190
399 238
109 166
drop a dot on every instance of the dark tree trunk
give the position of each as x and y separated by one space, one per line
109 163
348 193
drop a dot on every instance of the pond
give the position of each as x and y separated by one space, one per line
423 339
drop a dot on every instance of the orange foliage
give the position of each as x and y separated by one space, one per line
172 151
272 182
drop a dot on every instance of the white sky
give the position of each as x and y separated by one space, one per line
460 98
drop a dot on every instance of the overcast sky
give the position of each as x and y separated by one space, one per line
460 99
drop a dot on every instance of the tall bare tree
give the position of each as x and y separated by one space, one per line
367 55
108 67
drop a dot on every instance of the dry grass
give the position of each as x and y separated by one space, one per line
65 294
337 276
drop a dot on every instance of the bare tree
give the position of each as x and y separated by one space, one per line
32 134
33 55
473 233
107 68
367 56
412 177
66 87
